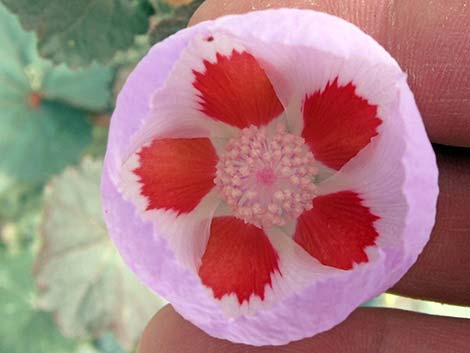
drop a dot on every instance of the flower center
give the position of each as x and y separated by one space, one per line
267 178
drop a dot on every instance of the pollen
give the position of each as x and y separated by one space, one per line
267 177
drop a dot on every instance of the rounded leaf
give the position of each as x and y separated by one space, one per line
43 120
79 274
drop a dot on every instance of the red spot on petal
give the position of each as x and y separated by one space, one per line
338 123
34 99
176 173
239 259
337 230
236 91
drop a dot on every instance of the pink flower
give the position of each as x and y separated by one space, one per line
279 177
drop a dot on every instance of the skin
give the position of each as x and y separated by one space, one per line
430 40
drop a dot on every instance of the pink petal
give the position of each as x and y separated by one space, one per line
395 176
171 174
337 230
239 259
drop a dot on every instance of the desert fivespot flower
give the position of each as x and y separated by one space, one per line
267 173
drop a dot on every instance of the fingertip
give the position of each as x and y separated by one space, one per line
442 271
155 331
367 330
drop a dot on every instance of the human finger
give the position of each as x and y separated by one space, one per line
367 330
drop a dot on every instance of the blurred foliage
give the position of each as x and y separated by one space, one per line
78 32
54 121
173 20
108 344
23 327
81 298
49 105
81 277
19 213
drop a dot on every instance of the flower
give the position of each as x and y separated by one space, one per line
279 177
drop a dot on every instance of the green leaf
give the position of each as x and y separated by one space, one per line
17 198
78 32
80 275
43 109
169 24
23 328
86 89
19 214
108 344
97 147
86 348
161 7
35 144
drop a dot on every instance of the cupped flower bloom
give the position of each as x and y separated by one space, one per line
267 173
